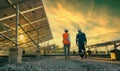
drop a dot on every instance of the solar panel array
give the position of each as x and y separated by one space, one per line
33 27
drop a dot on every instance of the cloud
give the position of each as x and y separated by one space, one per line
96 18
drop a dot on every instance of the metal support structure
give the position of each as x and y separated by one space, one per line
95 50
26 20
23 25
8 38
8 26
106 49
7 30
16 7
21 43
23 16
14 42
17 23
38 41
29 36
1 19
33 28
115 46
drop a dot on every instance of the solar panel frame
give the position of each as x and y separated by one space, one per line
34 12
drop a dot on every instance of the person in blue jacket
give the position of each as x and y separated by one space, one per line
81 42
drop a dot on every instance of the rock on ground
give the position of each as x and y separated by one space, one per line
52 64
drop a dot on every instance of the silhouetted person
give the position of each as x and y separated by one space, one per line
66 43
81 42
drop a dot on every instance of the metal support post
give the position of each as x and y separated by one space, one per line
17 23
38 40
107 49
115 46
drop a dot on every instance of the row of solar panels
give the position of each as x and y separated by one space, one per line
117 42
33 26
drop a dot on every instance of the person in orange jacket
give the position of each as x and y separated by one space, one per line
66 43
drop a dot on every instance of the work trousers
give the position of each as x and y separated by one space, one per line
82 50
67 50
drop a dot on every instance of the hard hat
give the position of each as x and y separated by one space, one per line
66 30
79 30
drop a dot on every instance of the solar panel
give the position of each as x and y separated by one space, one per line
33 23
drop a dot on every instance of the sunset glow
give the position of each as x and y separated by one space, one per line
99 19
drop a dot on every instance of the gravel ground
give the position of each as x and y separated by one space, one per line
53 64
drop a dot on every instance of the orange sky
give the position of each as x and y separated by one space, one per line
99 19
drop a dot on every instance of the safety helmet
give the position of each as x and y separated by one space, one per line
79 30
66 30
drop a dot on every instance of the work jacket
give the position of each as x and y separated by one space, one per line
81 38
66 38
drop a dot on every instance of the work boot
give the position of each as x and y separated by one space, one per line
81 58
